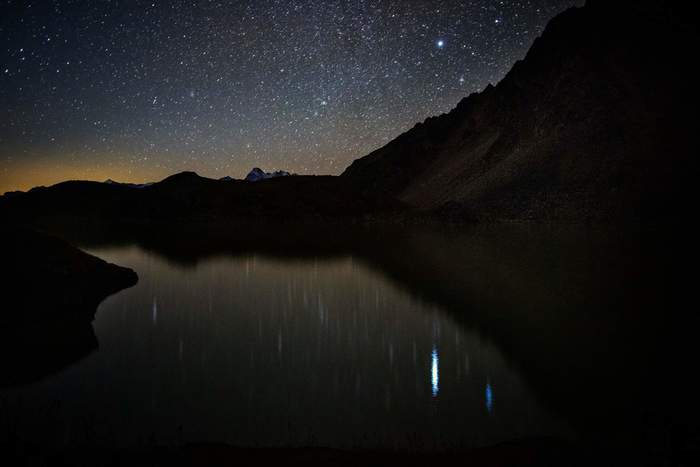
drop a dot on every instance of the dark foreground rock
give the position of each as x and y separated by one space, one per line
30 351
50 292
47 279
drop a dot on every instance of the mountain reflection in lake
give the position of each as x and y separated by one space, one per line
420 339
253 350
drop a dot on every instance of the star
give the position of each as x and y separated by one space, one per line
330 84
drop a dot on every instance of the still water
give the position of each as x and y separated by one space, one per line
258 350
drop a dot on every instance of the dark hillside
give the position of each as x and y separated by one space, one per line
596 122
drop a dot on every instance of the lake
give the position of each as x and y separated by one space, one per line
434 341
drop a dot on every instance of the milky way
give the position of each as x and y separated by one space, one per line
137 90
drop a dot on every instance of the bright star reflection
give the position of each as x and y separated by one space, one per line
435 372
155 311
489 398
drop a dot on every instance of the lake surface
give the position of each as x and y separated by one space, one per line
413 339
255 350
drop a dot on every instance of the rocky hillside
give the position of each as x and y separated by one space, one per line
595 123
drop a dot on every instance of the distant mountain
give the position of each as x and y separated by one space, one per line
227 179
258 174
187 197
598 122
109 181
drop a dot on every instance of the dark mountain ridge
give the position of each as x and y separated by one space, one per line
188 197
595 123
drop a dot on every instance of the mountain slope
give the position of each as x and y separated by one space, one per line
595 123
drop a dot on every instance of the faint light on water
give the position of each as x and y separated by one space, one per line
155 311
489 397
435 371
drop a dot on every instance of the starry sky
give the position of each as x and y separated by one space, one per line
137 90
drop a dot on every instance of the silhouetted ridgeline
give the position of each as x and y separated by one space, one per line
597 122
187 196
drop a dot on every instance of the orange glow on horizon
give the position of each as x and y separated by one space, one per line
37 173
23 176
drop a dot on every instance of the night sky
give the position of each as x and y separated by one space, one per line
138 90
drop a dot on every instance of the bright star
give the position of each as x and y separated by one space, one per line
435 371
440 43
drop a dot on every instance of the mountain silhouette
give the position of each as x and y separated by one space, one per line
187 196
596 122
